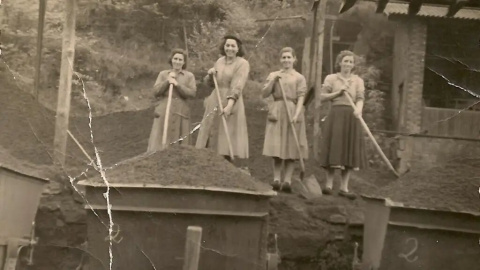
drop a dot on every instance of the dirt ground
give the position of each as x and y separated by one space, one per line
304 227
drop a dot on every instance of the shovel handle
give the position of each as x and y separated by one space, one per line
224 119
370 135
302 164
167 117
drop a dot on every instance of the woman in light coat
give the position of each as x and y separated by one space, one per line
231 72
279 139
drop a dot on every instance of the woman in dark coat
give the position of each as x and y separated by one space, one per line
184 87
342 143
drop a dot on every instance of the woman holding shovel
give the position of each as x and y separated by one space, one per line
172 114
226 131
342 145
285 134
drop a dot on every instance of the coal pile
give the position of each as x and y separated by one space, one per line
452 187
183 165
24 167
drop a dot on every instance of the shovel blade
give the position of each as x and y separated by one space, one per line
312 186
299 188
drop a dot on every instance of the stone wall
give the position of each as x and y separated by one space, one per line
424 152
432 151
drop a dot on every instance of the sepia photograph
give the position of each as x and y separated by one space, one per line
239 134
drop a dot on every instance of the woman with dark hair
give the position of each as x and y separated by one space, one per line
184 87
343 146
231 71
279 139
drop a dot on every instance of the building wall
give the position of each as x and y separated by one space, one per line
407 86
408 71
428 151
400 56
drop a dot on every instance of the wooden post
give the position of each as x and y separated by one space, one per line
185 37
192 248
320 20
308 56
1 23
38 59
65 85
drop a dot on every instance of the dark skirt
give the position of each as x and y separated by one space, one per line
342 143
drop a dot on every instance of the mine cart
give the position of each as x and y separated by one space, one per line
150 224
19 199
403 238
151 212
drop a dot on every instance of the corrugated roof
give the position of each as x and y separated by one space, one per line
432 11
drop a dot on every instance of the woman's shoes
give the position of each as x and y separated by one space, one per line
327 191
276 185
347 194
286 187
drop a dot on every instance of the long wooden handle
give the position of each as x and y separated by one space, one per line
167 117
224 119
365 127
302 164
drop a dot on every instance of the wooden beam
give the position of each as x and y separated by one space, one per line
455 6
346 5
38 58
381 5
65 85
298 17
414 7
192 248
320 20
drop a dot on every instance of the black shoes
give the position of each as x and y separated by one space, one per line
347 194
327 191
276 185
285 187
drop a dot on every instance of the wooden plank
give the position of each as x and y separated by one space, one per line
297 17
466 124
38 58
192 248
65 85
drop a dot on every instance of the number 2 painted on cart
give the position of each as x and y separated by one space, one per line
409 256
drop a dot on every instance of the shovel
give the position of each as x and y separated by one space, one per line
224 119
370 135
292 125
167 117
312 186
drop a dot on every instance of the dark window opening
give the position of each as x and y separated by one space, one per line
452 65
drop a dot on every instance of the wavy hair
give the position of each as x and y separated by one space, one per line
340 57
180 51
241 51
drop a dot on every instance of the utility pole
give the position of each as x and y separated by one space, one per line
65 85
319 29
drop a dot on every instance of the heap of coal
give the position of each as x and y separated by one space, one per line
183 165
451 187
